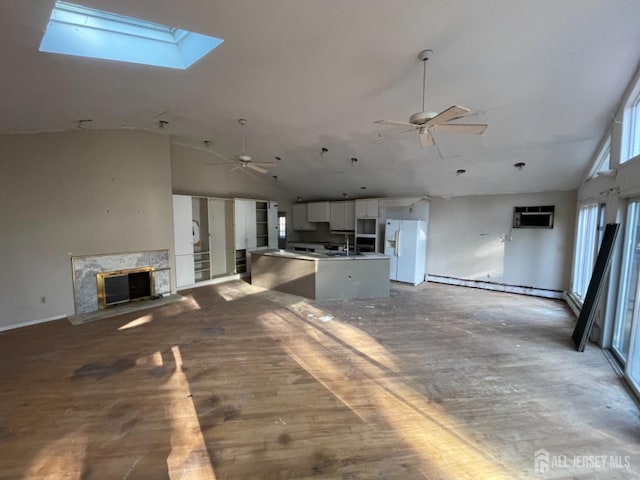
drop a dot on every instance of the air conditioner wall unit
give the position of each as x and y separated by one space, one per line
533 217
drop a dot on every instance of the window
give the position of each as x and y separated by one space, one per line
631 129
282 227
85 32
587 242
603 161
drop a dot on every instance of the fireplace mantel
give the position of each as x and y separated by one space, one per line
86 268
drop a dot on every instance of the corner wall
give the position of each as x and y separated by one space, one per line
471 238
75 193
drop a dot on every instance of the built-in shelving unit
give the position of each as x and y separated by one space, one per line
262 225
202 266
241 261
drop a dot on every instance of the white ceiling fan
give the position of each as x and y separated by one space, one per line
243 160
427 122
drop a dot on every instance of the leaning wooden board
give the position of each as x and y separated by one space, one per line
587 314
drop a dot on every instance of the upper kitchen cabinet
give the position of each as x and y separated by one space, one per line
343 216
300 220
318 212
367 208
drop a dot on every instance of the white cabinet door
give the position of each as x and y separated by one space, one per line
300 221
318 212
337 221
182 225
240 223
367 208
250 228
350 215
185 274
272 224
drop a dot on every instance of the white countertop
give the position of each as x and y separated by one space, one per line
319 256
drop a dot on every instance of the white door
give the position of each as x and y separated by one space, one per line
240 223
250 229
183 240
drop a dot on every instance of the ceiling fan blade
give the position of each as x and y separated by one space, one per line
397 124
263 164
391 137
450 113
255 167
426 140
235 168
473 128
218 164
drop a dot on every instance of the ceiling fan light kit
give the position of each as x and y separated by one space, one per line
427 122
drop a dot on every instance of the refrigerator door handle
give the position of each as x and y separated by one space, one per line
398 243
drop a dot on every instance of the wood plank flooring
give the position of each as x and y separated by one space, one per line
242 383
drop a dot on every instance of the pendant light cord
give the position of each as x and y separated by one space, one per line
424 81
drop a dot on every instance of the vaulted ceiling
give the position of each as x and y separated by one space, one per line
546 76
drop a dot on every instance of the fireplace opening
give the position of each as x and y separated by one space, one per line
123 286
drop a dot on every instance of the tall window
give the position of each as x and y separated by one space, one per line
631 127
587 240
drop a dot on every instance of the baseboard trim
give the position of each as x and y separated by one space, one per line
499 287
31 322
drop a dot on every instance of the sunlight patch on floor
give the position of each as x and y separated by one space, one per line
66 455
381 399
189 457
137 322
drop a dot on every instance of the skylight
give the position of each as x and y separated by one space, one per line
85 32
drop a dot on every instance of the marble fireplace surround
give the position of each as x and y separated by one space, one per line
85 268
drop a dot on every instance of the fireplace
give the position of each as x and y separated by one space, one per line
123 286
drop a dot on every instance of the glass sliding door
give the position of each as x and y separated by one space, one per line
627 308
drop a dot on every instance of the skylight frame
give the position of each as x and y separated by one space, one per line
86 32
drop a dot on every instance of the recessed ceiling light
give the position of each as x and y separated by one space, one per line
460 171
363 188
354 160
519 165
323 152
86 32
278 158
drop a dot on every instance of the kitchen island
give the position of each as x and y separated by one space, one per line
321 276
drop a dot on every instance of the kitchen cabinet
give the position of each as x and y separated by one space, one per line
318 212
300 221
343 217
367 208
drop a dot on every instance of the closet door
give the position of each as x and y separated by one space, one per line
183 240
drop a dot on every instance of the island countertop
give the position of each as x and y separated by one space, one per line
317 275
319 256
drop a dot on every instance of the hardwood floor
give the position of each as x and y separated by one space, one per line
241 383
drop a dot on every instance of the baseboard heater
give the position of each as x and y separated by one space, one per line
499 287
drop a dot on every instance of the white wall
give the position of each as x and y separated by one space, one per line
469 239
75 193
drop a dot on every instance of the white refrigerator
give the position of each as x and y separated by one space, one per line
405 242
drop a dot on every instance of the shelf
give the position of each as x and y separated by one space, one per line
366 235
